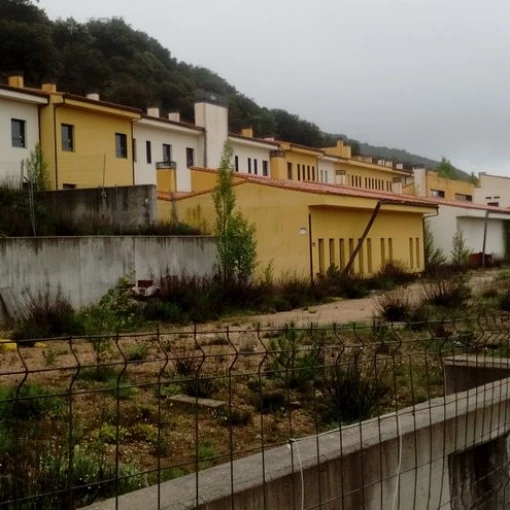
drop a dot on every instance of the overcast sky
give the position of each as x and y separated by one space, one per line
429 76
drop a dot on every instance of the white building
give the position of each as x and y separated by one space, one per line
252 155
471 220
19 129
163 144
493 190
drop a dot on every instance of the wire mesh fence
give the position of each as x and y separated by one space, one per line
354 416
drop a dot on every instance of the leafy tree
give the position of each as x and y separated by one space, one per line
236 237
37 169
460 252
446 169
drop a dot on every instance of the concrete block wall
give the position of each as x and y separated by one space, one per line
85 268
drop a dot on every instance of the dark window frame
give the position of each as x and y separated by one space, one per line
190 157
167 153
20 139
121 148
265 167
148 151
67 142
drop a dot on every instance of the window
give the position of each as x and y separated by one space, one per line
332 257
265 168
255 167
308 172
493 204
236 163
167 153
411 253
134 149
289 171
190 157
121 145
18 133
148 151
464 198
418 258
313 173
68 185
321 256
437 193
67 132
299 172
341 246
369 255
249 165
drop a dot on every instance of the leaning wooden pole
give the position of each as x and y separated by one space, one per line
362 239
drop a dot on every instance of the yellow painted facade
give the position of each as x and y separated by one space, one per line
97 149
296 163
449 189
340 150
203 179
282 215
166 180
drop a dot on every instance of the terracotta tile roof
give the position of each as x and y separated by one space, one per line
253 139
174 122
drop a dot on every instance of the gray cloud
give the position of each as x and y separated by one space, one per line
430 76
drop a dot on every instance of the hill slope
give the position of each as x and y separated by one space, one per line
128 66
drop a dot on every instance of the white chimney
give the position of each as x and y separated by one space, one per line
174 116
153 111
94 96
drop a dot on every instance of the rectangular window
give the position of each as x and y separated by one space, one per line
313 173
308 173
351 250
390 249
383 253
249 165
67 133
438 193
332 256
255 167
121 145
67 185
167 153
418 258
289 171
411 253
361 258
134 150
366 183
190 157
464 198
369 255
148 151
18 133
321 256
236 163
341 246
299 172
265 168
493 204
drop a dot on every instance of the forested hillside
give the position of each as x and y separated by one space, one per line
130 67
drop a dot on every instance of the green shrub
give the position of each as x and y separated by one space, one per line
269 402
28 403
46 316
394 306
504 301
107 434
234 417
450 292
138 352
349 395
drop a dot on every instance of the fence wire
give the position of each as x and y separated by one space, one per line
345 417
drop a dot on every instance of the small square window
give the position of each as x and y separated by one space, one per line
18 133
67 132
121 145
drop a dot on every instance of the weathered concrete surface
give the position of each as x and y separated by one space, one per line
127 206
465 371
85 268
206 403
395 461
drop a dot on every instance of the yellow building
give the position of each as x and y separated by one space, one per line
428 183
295 162
302 228
87 142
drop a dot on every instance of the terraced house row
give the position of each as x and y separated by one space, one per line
312 207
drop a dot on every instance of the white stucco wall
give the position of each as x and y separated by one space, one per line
11 157
180 138
254 150
214 119
471 222
491 189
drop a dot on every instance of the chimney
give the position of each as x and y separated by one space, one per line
174 116
16 81
153 111
49 87
247 132
94 96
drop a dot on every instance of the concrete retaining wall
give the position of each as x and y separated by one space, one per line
85 268
405 460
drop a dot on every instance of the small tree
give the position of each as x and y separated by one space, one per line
434 257
446 169
236 237
460 252
37 169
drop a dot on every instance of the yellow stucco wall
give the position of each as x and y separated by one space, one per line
165 180
281 219
368 175
450 187
93 160
202 180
